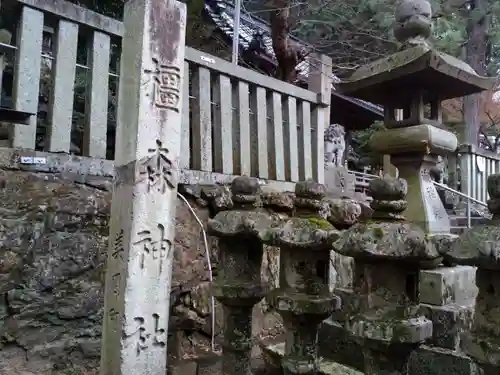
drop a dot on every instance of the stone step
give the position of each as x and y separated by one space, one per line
457 230
461 221
458 223
273 352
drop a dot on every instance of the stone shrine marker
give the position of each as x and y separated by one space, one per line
142 226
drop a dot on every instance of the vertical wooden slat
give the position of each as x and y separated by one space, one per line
318 143
2 67
5 127
96 111
185 126
320 81
291 143
62 93
452 171
489 163
465 180
276 155
202 121
244 128
260 166
472 175
305 159
480 176
484 178
223 125
27 75
489 172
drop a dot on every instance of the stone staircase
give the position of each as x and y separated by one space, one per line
456 208
458 223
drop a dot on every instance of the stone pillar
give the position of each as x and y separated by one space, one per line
479 247
389 168
303 298
238 286
142 225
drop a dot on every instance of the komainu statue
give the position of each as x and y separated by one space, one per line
334 145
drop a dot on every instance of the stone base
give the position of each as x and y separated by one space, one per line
206 364
273 352
449 322
389 329
433 361
336 345
445 285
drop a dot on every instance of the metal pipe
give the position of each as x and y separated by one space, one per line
236 31
460 194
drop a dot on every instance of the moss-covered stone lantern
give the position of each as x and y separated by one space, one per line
415 80
238 286
303 298
382 312
480 247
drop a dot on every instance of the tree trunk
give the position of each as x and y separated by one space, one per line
476 51
287 53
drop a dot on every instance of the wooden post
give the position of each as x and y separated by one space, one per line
387 167
96 105
62 93
142 223
320 81
27 75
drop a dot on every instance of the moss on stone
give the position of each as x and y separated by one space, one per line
320 223
378 232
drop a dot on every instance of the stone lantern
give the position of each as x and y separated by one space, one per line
480 247
303 298
415 80
238 287
382 312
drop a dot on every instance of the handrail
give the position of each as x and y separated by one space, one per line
446 187
469 200
364 174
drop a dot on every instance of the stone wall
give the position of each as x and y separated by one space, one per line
53 243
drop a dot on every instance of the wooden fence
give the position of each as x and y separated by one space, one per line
236 121
472 166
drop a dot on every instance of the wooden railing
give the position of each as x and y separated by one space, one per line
362 182
476 165
236 121
244 123
71 21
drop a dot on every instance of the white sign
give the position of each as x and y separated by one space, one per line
30 160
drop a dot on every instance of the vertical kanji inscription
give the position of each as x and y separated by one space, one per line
118 245
153 245
158 169
166 86
146 338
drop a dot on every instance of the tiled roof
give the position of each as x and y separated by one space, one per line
222 14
